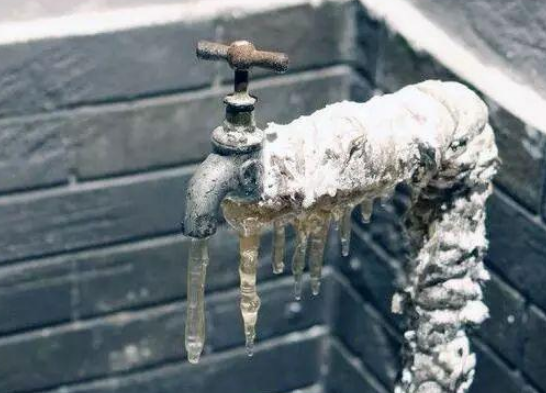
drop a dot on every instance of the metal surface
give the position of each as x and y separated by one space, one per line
234 166
238 134
242 55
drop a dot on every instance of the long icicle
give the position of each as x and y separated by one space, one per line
279 240
195 315
317 244
298 260
250 302
345 231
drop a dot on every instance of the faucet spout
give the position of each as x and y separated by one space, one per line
216 177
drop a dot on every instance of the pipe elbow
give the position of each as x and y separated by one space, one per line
214 179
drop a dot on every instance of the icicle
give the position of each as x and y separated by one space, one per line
317 243
298 260
366 210
250 302
345 231
278 247
195 315
386 197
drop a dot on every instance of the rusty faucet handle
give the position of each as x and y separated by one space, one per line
241 55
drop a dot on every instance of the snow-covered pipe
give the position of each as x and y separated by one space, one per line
434 137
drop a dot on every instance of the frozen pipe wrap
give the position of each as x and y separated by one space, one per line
434 137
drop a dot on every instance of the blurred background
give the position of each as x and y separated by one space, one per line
105 113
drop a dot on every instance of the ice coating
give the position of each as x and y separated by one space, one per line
351 147
345 230
318 227
443 294
434 138
298 259
250 301
195 314
279 244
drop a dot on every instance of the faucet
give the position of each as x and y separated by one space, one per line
433 137
233 166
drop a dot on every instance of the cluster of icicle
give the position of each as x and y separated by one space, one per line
251 220
433 137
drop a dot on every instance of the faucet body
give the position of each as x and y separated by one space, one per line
234 166
218 176
433 137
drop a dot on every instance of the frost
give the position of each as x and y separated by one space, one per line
434 138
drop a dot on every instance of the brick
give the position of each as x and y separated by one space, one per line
504 327
43 75
295 358
95 282
517 247
35 296
99 213
121 342
366 42
522 150
398 65
32 154
360 329
48 74
346 374
130 340
492 375
534 347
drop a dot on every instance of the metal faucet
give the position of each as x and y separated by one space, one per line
234 165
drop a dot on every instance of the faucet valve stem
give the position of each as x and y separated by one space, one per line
238 134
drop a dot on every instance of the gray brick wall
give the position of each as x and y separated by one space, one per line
99 135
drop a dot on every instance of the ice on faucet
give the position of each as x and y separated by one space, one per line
279 240
320 225
298 259
432 137
345 231
195 314
250 302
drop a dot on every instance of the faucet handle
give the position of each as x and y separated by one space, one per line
241 55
